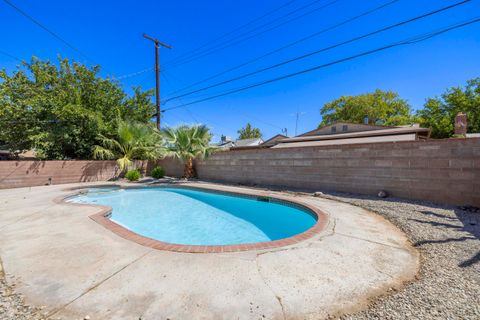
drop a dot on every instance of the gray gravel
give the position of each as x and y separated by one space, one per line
448 238
12 305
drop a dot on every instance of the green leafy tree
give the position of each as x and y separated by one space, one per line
187 143
381 107
439 113
249 132
58 110
133 141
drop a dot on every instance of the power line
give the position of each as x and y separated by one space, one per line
191 52
10 55
289 45
264 122
229 43
172 76
189 56
234 30
188 109
170 83
414 40
174 61
55 35
134 74
196 116
321 50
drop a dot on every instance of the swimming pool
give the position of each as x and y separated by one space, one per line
188 216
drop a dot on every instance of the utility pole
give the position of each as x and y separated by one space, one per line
157 74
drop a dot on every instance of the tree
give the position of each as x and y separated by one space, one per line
381 107
132 141
439 113
58 110
187 143
249 132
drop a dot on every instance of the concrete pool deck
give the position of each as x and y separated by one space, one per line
60 258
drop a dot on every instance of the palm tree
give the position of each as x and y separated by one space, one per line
133 141
187 143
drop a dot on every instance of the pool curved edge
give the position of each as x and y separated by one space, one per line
102 218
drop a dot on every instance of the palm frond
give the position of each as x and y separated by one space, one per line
124 163
132 141
102 153
188 142
110 143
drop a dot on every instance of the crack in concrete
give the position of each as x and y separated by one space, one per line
385 273
271 289
371 241
57 310
323 237
302 245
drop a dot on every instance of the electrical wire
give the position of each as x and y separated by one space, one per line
133 74
229 43
322 50
414 40
196 116
216 39
170 83
10 55
235 30
55 35
289 45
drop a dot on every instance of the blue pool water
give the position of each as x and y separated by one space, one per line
192 217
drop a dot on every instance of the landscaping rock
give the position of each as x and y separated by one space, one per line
448 238
12 305
382 194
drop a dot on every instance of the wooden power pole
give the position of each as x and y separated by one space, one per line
157 74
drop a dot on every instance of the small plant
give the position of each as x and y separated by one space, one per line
158 172
133 175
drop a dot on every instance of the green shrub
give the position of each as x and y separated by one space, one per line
133 175
158 172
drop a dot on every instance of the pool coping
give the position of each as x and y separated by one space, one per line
102 218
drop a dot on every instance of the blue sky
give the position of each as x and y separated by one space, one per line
109 33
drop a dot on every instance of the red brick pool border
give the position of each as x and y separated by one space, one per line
101 218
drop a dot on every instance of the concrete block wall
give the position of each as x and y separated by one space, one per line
445 171
14 174
173 167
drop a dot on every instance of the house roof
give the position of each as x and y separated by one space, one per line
248 142
365 127
357 140
272 141
225 145
370 133
27 154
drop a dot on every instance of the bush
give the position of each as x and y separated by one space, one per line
133 175
158 172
